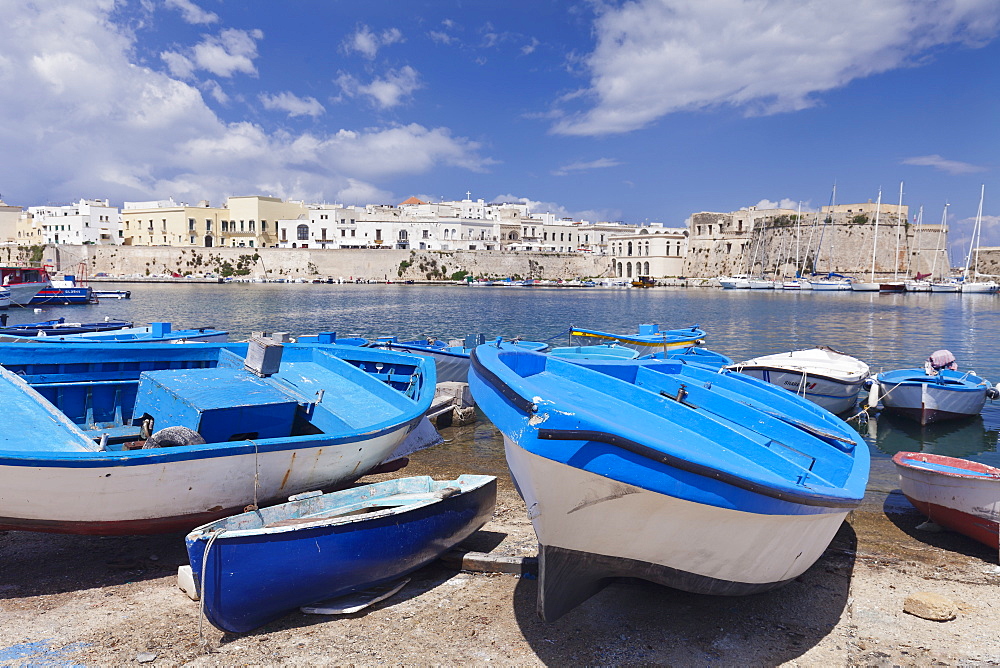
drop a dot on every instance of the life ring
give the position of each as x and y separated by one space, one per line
172 437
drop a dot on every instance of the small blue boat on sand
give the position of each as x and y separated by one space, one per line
258 566
701 479
156 437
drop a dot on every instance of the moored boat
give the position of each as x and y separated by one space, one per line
959 494
259 565
59 326
650 338
707 481
217 427
451 357
153 333
823 375
23 282
930 397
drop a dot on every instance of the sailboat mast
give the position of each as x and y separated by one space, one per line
976 231
798 236
878 209
937 246
899 227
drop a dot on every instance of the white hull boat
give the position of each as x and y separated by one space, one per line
824 376
926 398
864 287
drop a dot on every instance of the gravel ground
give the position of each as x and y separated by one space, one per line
69 600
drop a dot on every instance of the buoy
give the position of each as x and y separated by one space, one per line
873 395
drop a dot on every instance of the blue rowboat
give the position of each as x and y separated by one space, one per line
60 327
597 351
451 358
152 333
700 479
217 427
704 356
927 398
258 566
650 339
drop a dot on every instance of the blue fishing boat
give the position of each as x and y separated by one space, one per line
596 351
932 397
258 566
451 357
700 479
161 332
156 437
703 356
650 338
59 326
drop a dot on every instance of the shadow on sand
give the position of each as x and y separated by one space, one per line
632 621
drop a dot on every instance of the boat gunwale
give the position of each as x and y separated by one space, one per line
815 499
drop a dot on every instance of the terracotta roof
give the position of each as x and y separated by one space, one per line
412 200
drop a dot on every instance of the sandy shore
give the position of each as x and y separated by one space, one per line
67 600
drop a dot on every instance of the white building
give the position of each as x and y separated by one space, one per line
89 221
654 250
461 225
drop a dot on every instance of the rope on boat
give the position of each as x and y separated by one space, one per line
565 331
201 598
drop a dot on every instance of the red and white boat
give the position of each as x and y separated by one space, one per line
959 494
24 282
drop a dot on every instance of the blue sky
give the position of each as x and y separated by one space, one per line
636 111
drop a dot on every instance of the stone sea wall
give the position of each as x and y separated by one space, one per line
348 264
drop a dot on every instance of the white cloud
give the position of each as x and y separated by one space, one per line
293 104
600 163
368 43
937 162
530 47
785 203
560 211
385 92
178 64
230 52
655 57
191 12
97 123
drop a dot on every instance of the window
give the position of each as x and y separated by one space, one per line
241 226
284 235
225 226
263 226
191 224
208 226
402 235
252 225
301 232
343 233
630 253
378 236
322 233
352 232
425 235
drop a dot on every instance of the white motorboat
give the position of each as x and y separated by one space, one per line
823 375
734 282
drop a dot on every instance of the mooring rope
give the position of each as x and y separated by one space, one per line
201 597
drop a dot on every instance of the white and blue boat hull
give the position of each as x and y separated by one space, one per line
674 472
259 566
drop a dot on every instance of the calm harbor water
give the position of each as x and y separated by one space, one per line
887 331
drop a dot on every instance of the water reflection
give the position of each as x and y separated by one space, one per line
953 438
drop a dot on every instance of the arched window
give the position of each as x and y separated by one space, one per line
630 254
647 248
619 272
447 233
302 233
646 269
628 269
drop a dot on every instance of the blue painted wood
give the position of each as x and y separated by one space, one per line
64 399
727 442
264 564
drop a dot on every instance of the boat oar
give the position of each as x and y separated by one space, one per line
815 431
